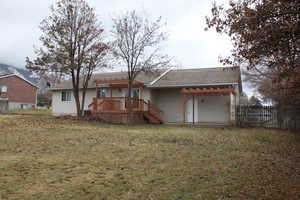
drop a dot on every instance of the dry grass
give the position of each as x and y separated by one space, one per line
46 158
31 112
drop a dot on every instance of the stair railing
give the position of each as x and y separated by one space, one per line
153 109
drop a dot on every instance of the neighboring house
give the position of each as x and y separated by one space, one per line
18 92
198 96
3 100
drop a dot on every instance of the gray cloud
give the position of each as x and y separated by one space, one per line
188 43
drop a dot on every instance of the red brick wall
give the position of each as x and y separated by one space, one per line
19 90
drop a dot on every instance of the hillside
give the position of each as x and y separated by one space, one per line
9 69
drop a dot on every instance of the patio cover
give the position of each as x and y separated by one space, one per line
208 91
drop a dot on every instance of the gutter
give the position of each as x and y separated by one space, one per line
193 85
59 89
163 86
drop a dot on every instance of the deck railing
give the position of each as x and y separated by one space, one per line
120 104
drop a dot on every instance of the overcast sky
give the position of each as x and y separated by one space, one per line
188 43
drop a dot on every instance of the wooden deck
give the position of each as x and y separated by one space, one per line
118 107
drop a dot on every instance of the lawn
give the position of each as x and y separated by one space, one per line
46 158
31 112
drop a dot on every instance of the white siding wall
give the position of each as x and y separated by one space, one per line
116 92
69 108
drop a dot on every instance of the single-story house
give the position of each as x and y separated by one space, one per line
16 92
197 96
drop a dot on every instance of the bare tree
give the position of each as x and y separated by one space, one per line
72 46
136 43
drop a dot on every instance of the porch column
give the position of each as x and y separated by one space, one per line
232 109
141 96
193 109
97 90
184 99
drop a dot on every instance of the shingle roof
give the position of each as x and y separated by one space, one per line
146 78
174 78
19 76
199 76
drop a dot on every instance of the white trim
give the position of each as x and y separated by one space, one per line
191 85
162 75
6 76
67 92
163 86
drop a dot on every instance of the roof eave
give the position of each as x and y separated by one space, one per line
192 85
163 86
58 89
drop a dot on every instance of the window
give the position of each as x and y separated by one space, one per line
66 96
136 93
24 107
3 88
102 93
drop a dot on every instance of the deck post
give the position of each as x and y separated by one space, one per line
141 96
193 109
95 101
97 91
148 105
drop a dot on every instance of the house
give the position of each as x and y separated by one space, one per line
3 101
196 96
16 92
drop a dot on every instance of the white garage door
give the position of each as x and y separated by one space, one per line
214 109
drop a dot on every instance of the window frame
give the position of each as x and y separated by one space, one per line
102 91
67 97
133 90
138 93
3 87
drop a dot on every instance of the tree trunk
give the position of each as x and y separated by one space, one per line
129 103
83 101
77 101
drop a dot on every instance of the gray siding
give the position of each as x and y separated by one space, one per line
208 109
20 105
170 102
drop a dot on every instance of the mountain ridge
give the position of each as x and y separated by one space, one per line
6 69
